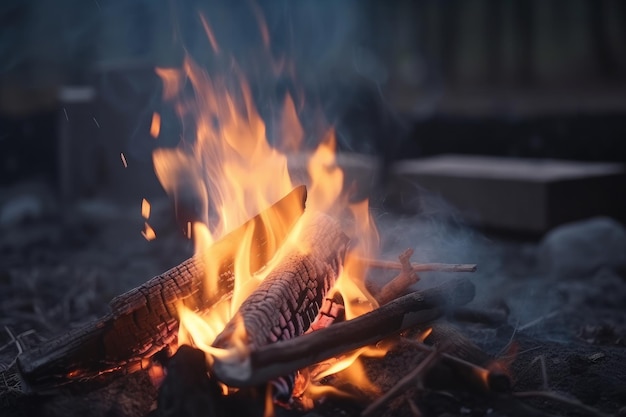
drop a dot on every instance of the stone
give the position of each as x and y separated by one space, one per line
523 195
580 249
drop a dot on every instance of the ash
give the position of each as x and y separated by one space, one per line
558 302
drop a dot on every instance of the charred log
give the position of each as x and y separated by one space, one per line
143 321
284 357
288 300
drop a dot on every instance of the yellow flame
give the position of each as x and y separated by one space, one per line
229 166
269 402
209 34
326 176
292 133
148 232
145 209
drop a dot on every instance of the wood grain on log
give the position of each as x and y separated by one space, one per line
273 360
144 320
288 300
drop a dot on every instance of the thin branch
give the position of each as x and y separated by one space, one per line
374 408
399 284
537 321
498 382
420 267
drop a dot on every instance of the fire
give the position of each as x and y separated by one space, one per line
155 126
145 209
227 164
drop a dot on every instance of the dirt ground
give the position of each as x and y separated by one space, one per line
562 297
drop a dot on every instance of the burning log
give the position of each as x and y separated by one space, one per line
270 361
289 299
143 321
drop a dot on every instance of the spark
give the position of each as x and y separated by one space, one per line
145 209
148 233
123 159
96 122
65 111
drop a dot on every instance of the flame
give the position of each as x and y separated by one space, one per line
155 126
148 232
145 209
227 168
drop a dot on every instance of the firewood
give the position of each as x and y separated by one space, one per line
264 363
404 280
375 407
470 365
420 267
144 320
288 300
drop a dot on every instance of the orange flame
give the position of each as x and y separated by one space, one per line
230 167
155 126
145 209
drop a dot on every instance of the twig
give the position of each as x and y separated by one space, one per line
551 395
280 358
404 280
414 408
505 347
496 381
544 371
424 365
420 267
537 321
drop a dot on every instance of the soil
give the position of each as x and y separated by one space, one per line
61 264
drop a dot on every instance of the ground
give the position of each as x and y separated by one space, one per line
562 298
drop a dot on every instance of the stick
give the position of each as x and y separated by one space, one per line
420 267
404 280
427 363
144 320
497 382
288 300
281 358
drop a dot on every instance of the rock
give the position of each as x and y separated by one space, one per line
580 249
25 201
19 209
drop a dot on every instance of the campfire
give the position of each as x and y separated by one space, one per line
287 303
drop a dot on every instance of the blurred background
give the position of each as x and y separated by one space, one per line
400 80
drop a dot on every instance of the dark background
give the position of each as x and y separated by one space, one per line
399 79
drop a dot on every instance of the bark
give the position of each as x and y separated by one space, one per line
143 321
288 300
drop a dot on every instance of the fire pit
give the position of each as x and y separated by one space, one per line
292 302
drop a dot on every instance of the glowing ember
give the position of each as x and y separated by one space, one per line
148 233
145 209
155 126
123 160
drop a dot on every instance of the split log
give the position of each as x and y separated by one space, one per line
144 320
288 300
284 357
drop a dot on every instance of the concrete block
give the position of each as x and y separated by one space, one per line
528 195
